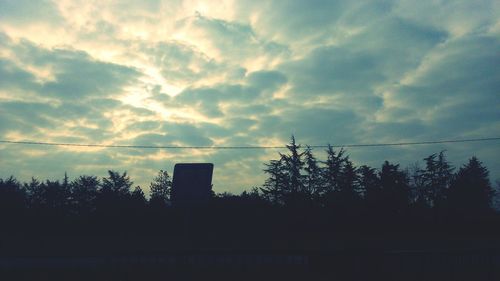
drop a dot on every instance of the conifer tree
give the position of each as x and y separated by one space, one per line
313 182
395 188
348 179
333 168
116 183
83 194
471 191
369 185
137 197
436 178
276 185
294 165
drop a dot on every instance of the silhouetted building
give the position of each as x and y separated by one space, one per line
191 184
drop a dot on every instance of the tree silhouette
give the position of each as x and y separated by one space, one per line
436 178
348 178
160 188
347 191
116 183
138 200
333 168
84 190
303 204
12 197
395 189
294 165
114 193
471 192
50 195
331 175
314 180
418 189
369 183
276 185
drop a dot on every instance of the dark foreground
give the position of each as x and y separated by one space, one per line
341 257
214 265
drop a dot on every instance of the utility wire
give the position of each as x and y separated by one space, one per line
244 147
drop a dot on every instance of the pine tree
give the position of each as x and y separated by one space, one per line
369 185
83 194
333 169
33 192
347 180
395 188
471 191
117 184
276 185
436 178
138 198
294 165
112 198
12 197
313 182
418 190
65 183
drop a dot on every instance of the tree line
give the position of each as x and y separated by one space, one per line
300 192
299 178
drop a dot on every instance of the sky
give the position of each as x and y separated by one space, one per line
236 73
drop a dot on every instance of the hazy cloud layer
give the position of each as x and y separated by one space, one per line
233 73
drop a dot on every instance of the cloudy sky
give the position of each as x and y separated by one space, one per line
224 73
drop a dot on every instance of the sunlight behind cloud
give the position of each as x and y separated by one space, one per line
230 73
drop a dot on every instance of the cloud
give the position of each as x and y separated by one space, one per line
459 18
188 134
232 42
198 73
64 74
21 12
377 55
295 20
209 100
13 77
458 88
181 63
101 79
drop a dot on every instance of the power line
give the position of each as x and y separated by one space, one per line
244 147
